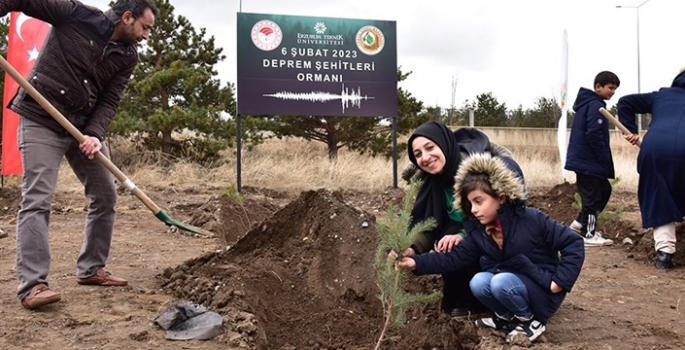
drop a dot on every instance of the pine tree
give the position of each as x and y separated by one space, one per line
174 89
392 235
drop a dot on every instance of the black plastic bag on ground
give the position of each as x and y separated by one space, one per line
186 321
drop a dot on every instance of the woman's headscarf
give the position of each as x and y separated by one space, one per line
431 200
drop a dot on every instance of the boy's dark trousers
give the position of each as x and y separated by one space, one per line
594 194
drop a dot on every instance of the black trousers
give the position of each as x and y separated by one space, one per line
456 291
594 195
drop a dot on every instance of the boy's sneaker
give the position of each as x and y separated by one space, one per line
496 323
576 226
529 329
597 241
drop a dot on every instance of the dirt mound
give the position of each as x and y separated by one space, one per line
10 200
304 279
626 232
239 217
556 202
229 218
643 250
300 278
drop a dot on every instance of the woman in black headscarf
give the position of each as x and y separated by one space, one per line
434 149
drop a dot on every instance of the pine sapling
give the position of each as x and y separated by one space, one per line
394 234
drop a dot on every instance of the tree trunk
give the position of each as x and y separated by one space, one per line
331 138
166 141
332 150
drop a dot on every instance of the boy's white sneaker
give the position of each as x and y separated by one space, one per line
597 241
576 226
530 329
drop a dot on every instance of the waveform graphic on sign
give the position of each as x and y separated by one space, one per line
347 97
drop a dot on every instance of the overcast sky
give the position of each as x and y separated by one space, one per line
512 48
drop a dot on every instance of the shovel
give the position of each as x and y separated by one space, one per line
617 123
128 184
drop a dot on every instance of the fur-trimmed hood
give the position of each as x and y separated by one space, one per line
503 179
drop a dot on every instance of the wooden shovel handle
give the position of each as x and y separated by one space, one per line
64 122
618 124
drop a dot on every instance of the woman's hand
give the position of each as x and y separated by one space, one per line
632 138
448 242
555 288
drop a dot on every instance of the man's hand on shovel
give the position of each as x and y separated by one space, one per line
90 146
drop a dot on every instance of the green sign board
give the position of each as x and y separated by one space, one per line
296 65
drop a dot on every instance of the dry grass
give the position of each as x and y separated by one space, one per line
295 165
541 166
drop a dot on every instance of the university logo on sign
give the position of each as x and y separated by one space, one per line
370 40
266 35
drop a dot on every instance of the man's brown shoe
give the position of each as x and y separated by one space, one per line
103 278
40 295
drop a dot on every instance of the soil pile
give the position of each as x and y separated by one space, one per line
558 203
644 248
301 278
10 200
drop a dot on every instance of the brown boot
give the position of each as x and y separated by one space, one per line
103 278
40 295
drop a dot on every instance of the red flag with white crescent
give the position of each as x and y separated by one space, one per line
25 41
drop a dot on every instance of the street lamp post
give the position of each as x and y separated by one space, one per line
637 10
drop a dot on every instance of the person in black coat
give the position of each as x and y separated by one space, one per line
589 156
661 162
529 262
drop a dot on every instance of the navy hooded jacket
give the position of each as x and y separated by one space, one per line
588 148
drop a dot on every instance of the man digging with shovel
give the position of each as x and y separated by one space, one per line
84 65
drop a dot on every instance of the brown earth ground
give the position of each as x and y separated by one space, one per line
295 272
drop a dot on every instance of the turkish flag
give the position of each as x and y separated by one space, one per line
25 41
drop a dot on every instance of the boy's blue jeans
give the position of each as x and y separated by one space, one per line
503 293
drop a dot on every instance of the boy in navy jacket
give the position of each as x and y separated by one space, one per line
589 156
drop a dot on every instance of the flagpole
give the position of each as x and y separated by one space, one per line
25 37
562 129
